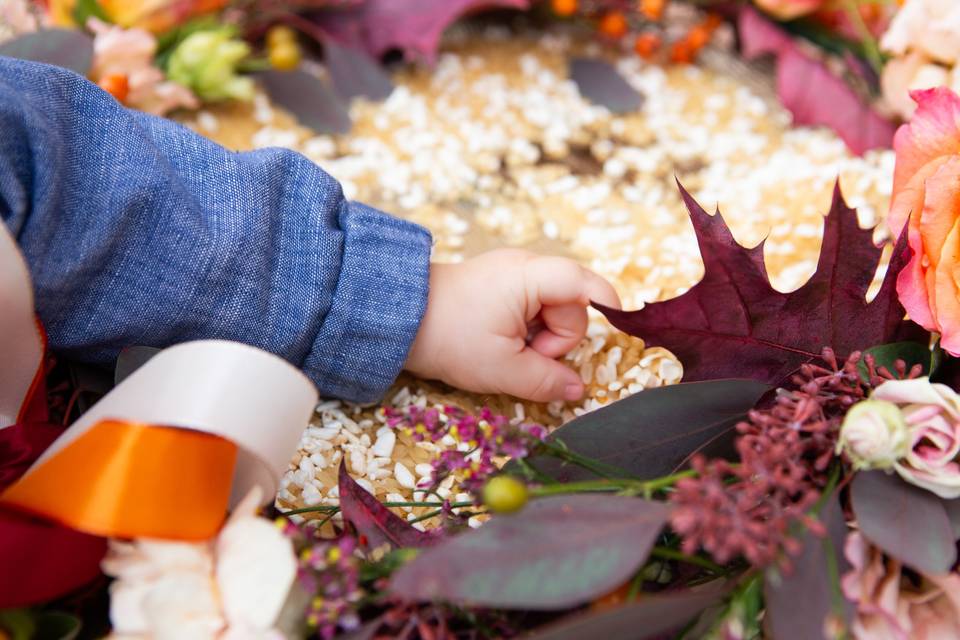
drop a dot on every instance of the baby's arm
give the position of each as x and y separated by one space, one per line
138 231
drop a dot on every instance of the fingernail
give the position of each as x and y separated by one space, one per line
573 392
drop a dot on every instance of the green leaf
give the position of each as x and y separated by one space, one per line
86 9
599 82
17 624
908 523
652 433
650 616
887 354
67 48
557 553
308 98
57 625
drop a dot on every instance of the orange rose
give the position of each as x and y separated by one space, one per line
926 191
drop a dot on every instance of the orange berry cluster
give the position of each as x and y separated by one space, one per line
615 25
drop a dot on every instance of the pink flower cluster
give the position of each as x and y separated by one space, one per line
482 440
329 572
750 508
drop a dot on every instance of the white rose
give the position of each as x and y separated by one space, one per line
874 435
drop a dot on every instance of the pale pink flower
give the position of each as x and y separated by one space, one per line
932 415
890 606
130 53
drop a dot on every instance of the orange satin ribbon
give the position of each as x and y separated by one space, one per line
129 480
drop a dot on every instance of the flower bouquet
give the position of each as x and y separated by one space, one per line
314 57
802 482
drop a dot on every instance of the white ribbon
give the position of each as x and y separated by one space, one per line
21 347
246 395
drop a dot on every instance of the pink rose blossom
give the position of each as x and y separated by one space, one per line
932 415
890 606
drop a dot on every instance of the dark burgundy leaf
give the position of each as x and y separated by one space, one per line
734 324
799 602
67 48
908 523
556 553
649 616
308 98
373 520
414 28
810 91
131 359
602 84
354 73
953 512
651 433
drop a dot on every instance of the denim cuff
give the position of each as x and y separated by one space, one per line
377 306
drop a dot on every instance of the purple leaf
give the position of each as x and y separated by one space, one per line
130 359
414 28
67 48
557 553
734 324
354 73
308 98
809 583
810 91
599 82
908 523
953 512
651 433
649 616
374 521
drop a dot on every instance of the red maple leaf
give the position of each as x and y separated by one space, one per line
734 324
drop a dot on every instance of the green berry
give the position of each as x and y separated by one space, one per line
504 494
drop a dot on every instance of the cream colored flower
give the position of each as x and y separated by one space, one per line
874 435
234 587
930 27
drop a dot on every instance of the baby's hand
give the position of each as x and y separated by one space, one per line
496 322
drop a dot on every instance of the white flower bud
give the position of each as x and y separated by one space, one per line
874 435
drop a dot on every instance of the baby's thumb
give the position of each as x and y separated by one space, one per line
535 377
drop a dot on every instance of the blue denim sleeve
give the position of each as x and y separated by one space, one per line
138 231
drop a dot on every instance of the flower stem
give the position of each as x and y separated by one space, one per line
666 553
330 508
870 49
559 450
628 486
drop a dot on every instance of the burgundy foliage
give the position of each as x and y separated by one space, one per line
750 509
375 523
414 28
810 91
734 324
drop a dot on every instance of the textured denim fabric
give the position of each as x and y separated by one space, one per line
138 231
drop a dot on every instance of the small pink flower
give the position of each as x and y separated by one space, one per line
891 606
932 414
130 53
